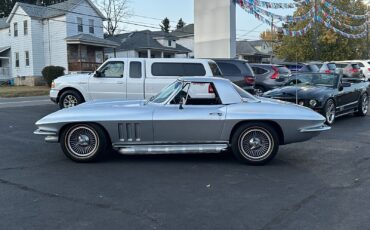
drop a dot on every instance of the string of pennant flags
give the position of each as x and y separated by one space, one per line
255 7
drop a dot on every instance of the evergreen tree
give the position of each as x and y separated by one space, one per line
180 24
165 26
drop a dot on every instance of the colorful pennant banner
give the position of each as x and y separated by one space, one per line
336 10
329 17
344 34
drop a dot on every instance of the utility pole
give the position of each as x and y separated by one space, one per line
272 39
315 45
367 32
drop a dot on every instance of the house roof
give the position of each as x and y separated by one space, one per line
51 11
245 48
162 34
187 30
3 23
258 42
88 39
143 40
4 48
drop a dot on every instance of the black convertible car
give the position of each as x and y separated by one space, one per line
329 94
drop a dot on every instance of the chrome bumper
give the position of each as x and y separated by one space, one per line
315 129
51 136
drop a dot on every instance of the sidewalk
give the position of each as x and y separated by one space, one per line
23 91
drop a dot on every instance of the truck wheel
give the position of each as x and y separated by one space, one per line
255 143
69 99
84 142
363 105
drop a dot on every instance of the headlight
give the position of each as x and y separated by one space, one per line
313 103
301 102
52 84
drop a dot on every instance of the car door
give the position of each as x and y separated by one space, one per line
192 124
109 83
347 99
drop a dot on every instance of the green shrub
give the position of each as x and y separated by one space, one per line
51 72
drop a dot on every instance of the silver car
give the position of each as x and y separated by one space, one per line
176 122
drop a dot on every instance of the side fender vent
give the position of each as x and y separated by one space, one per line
129 132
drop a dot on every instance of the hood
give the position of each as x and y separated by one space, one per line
95 111
303 92
73 77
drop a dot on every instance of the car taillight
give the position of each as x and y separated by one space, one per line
249 80
328 71
368 69
276 73
354 70
210 89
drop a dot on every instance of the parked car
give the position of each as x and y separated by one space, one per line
292 66
349 69
269 76
328 67
127 78
309 68
239 72
365 67
175 122
317 63
329 94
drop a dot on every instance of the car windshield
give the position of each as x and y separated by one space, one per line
327 80
166 92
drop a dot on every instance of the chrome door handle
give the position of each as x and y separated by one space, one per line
215 114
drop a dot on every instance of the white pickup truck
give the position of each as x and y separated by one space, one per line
127 78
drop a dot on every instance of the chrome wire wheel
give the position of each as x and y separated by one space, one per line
365 104
82 141
256 144
330 112
70 101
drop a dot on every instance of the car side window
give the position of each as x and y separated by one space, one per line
135 69
258 70
360 64
112 70
229 69
164 69
198 94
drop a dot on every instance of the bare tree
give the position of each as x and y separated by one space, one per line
115 11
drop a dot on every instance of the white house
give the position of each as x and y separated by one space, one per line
185 37
68 34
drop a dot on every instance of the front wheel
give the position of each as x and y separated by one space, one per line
259 90
363 105
84 142
255 143
70 98
330 112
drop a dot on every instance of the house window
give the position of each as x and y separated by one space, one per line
15 29
169 43
16 59
91 26
80 27
27 55
25 27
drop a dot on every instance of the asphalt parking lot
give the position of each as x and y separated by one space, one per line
320 184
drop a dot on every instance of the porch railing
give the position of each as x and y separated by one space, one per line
83 66
4 73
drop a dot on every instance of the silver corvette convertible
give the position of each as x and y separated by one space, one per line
192 115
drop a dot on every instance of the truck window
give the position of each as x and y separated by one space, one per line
112 69
178 69
135 69
229 69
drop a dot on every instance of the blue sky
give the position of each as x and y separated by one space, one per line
247 26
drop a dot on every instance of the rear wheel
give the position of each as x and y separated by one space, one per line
84 142
70 98
259 90
330 112
363 105
255 143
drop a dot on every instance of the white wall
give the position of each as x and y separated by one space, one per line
215 29
187 42
54 44
22 43
124 54
82 11
4 37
